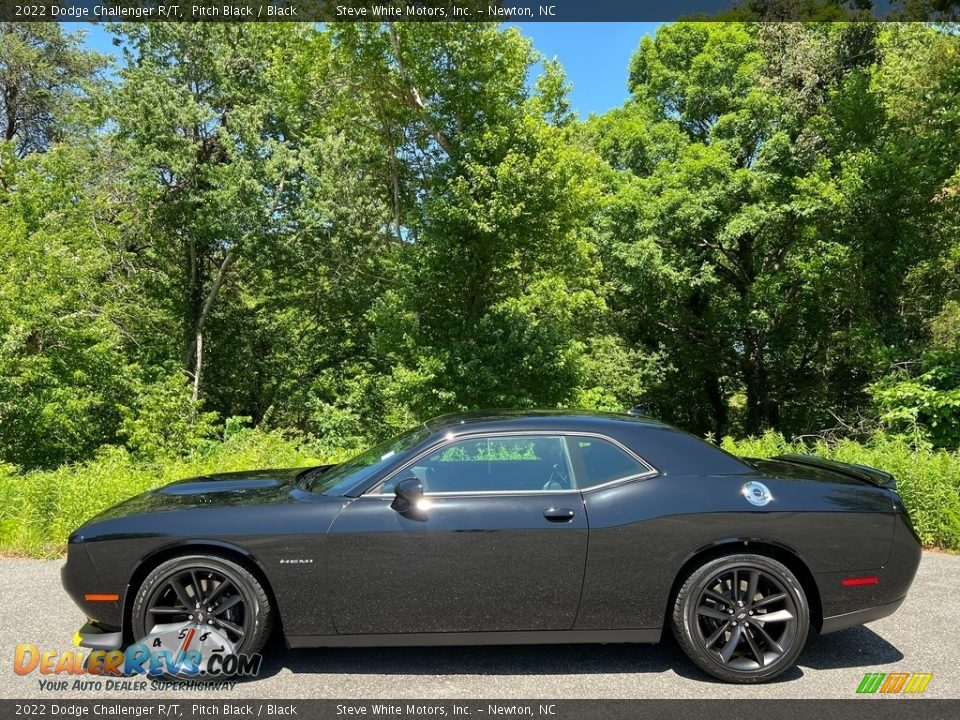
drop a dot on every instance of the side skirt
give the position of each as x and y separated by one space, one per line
535 637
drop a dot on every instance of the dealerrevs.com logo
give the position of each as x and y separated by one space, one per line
894 683
173 654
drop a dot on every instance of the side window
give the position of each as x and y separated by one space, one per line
603 461
495 464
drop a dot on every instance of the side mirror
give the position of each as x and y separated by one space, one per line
408 491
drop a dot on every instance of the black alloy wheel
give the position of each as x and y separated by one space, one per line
742 618
207 594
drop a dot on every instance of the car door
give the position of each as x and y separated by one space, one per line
497 542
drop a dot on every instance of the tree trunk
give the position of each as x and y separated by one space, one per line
721 413
412 98
198 314
198 368
195 348
10 96
763 411
192 305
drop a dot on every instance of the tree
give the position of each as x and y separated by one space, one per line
202 130
43 71
920 393
63 367
260 222
502 304
753 240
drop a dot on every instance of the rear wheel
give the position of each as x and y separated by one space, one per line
202 602
742 618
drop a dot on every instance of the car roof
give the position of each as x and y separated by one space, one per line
519 420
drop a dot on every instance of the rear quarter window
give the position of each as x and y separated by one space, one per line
602 461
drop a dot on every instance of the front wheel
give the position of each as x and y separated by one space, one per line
205 603
742 618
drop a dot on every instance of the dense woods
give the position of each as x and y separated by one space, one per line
340 232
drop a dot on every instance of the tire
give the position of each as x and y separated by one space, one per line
725 634
231 602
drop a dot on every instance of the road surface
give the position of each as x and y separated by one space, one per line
923 636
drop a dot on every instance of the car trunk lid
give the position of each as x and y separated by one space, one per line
869 475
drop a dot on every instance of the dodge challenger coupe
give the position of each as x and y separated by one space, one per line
503 528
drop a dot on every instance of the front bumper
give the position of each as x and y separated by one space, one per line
95 637
79 578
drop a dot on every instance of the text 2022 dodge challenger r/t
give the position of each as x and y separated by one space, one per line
501 528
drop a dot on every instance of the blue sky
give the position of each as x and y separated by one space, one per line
594 55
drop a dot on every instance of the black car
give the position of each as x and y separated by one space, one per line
503 528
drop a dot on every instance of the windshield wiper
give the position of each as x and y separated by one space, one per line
308 478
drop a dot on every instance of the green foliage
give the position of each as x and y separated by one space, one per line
922 399
928 480
925 406
163 420
43 73
500 303
68 381
490 450
63 368
39 509
774 226
343 230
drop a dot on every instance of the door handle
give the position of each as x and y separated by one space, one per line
558 514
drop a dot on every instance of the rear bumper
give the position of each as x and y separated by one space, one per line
858 617
846 606
95 637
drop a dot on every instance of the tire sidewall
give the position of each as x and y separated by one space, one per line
687 604
235 573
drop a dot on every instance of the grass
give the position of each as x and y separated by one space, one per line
928 480
39 509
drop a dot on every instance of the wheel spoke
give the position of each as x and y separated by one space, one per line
712 594
181 592
731 645
216 593
752 586
735 586
232 627
774 617
170 627
716 635
753 647
712 613
770 599
227 604
197 589
168 611
768 640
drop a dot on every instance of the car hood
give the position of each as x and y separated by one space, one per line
253 487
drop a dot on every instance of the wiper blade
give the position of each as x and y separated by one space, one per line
308 478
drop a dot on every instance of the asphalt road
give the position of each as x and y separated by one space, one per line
923 636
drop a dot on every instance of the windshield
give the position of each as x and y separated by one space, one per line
342 477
